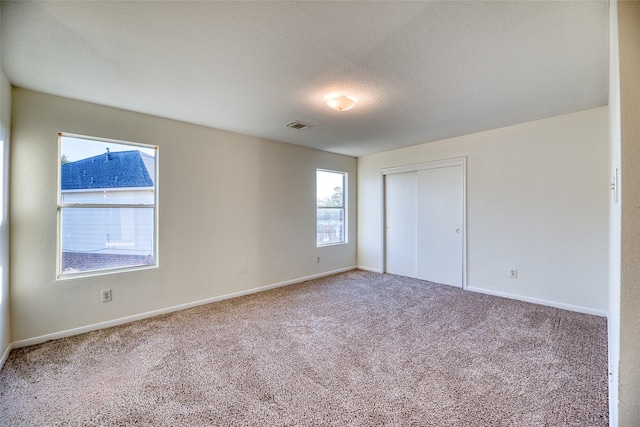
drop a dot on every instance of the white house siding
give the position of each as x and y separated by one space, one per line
98 238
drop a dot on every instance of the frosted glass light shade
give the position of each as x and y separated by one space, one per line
341 103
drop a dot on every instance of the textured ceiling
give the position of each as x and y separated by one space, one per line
421 71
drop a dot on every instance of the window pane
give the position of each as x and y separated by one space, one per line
330 207
109 174
100 172
330 225
104 238
330 189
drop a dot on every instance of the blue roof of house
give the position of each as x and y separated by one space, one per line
121 169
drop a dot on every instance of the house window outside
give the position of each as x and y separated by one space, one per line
107 205
331 202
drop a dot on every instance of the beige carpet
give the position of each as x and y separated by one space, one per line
358 348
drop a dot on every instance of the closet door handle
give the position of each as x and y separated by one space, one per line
458 230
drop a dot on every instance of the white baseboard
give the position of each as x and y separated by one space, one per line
373 270
5 355
133 318
563 306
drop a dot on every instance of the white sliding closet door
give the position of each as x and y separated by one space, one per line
424 222
440 223
401 221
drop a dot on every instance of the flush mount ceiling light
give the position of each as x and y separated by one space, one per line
341 103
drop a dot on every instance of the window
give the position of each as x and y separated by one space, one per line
330 192
106 205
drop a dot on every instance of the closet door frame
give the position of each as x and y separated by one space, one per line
457 161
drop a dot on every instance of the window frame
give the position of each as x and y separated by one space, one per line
60 275
345 232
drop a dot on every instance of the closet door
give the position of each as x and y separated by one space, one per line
440 221
401 224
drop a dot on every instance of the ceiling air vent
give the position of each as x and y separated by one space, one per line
298 125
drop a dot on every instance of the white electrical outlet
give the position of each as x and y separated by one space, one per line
105 295
513 273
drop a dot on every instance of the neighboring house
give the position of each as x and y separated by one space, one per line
95 238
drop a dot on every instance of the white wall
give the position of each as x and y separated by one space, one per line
537 201
236 213
5 122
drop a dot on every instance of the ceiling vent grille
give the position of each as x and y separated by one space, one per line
298 125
